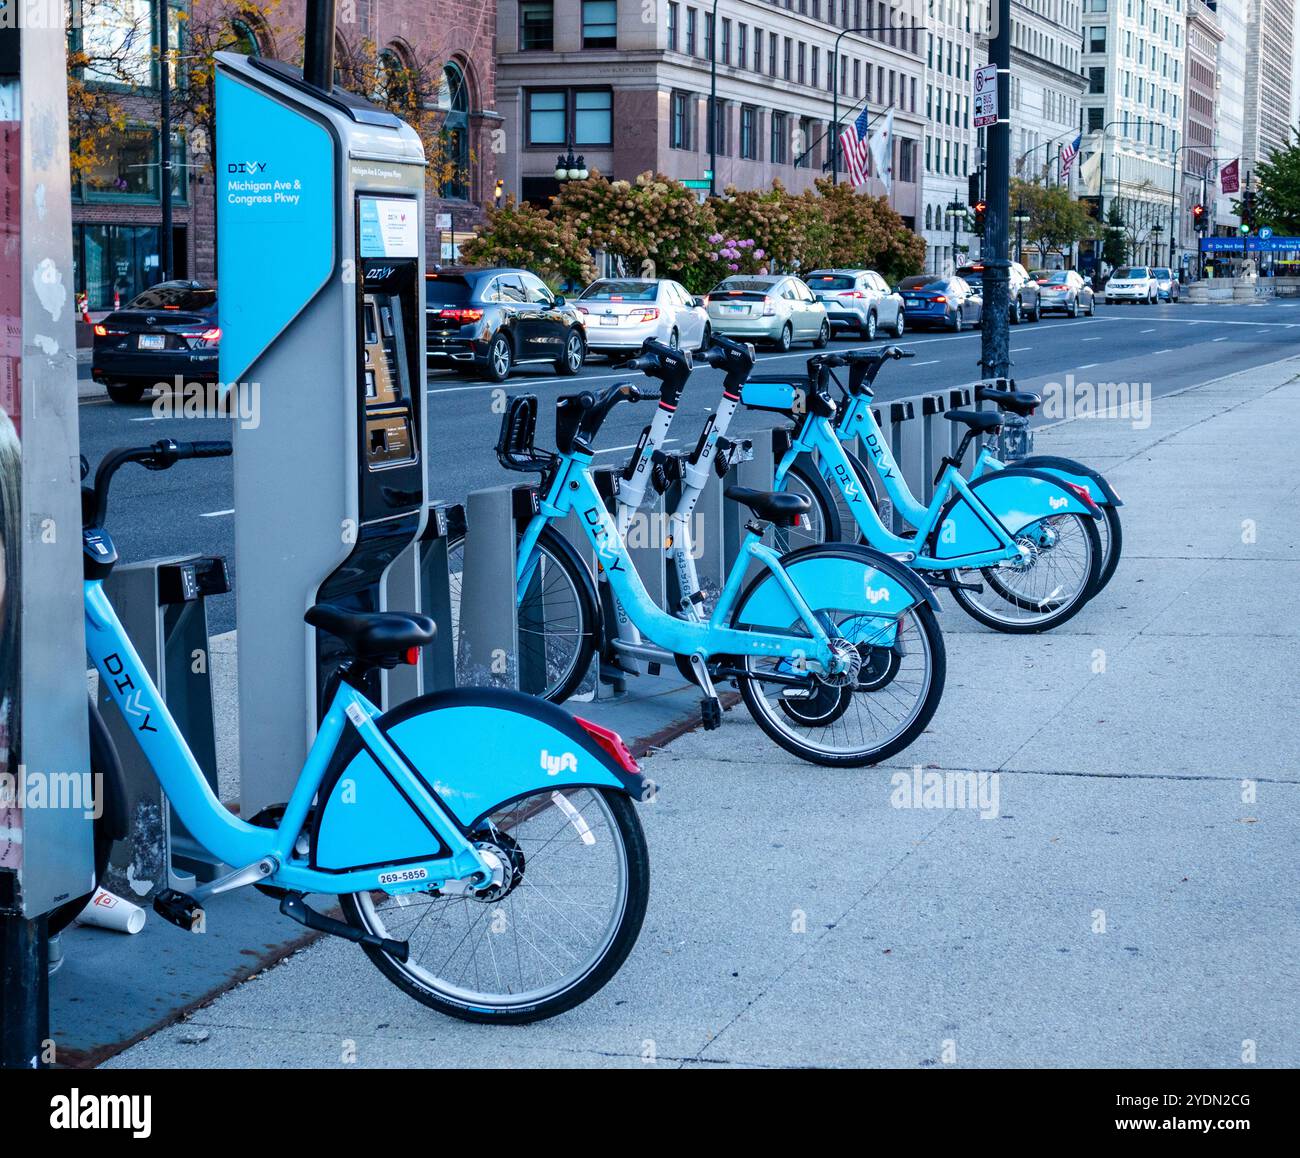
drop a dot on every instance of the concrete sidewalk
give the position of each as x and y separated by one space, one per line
1131 903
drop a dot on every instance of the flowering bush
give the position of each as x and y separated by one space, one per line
731 255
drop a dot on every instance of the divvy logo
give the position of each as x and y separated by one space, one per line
245 166
554 765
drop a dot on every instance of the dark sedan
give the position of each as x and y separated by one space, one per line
169 332
934 300
488 321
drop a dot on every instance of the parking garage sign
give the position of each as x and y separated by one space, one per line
985 96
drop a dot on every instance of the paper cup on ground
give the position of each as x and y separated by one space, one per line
108 911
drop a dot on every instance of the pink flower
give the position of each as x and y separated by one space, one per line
758 253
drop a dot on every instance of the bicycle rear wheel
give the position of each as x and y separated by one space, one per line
557 619
562 919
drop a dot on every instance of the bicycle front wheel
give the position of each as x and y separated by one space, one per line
557 619
553 930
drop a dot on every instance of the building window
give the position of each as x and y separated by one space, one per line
906 160
453 100
772 44
120 259
599 23
1097 38
1096 80
1095 119
814 66
726 42
758 50
708 36
742 45
803 152
536 25
749 132
778 153
673 15
679 130
690 31
785 58
558 117
127 167
719 142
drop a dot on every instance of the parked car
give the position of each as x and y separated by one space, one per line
931 299
780 310
621 313
1166 283
169 330
488 321
1065 290
1132 283
1023 290
859 300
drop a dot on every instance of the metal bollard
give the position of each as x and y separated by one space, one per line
161 603
934 441
488 646
438 661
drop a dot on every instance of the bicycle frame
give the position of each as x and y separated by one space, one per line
816 434
574 490
239 843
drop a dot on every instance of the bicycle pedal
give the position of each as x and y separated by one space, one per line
180 909
711 713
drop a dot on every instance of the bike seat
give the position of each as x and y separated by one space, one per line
977 420
374 635
779 507
1022 402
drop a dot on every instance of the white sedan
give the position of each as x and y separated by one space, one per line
620 313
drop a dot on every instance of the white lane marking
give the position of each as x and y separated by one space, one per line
1148 330
1223 339
216 514
1091 339
1167 350
931 362
151 418
1087 365
1021 349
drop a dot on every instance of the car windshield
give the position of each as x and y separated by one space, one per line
1130 271
441 290
175 296
621 291
753 285
830 281
1162 274
922 281
1061 278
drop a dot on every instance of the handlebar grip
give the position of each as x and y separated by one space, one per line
214 449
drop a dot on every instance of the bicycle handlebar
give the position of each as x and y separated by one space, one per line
162 455
672 366
863 365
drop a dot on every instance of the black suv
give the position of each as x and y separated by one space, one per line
488 321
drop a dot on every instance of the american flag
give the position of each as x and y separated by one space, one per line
1068 154
853 146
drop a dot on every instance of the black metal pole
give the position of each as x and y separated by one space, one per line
24 992
995 338
713 101
166 256
318 47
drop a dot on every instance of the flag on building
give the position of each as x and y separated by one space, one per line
853 148
1230 176
1068 154
882 153
1090 172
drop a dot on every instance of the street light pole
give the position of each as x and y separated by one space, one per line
166 256
713 101
835 94
995 339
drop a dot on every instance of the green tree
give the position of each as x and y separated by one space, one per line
1277 201
1114 249
524 235
1056 220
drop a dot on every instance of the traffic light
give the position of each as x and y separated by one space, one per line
1199 221
980 207
973 191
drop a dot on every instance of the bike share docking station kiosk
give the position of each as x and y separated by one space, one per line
320 244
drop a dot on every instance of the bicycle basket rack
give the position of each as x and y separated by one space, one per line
515 449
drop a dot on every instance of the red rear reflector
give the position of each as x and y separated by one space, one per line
612 743
412 656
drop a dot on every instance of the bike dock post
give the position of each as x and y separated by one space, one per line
934 442
959 398
438 660
892 419
488 622
911 448
757 473
162 604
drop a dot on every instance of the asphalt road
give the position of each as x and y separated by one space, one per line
189 508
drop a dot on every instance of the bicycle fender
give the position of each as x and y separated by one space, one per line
1017 497
845 577
1101 492
476 749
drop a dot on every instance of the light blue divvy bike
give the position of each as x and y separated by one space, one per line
482 843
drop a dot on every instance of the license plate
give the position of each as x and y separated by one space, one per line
735 309
605 320
152 342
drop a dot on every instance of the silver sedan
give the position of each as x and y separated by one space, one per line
780 310
621 313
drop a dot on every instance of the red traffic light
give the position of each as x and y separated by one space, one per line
1198 210
980 206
